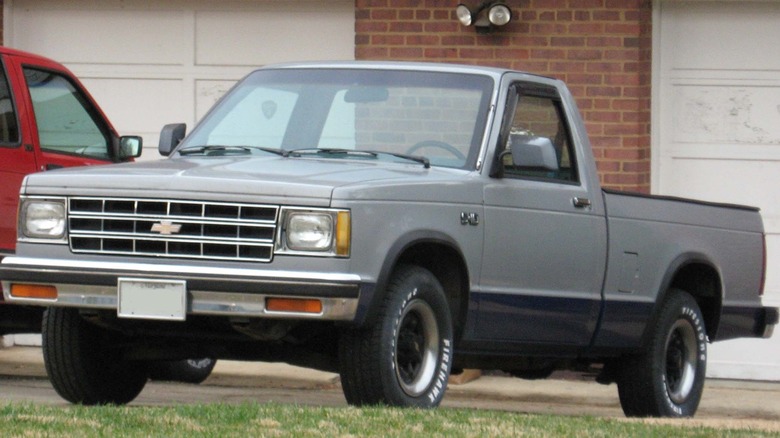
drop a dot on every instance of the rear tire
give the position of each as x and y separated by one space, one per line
667 380
404 357
84 363
186 370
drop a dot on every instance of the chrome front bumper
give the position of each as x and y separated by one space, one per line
209 290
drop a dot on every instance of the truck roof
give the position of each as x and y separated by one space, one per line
403 65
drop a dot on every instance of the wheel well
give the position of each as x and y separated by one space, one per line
703 283
447 265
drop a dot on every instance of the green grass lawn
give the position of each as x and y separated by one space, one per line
250 419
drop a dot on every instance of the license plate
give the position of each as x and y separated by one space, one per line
152 299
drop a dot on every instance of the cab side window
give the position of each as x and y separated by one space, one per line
66 120
9 129
539 128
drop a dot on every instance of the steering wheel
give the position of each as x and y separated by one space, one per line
437 144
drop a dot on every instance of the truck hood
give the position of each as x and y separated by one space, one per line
306 181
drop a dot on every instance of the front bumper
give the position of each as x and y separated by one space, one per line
209 290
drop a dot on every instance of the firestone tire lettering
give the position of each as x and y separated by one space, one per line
404 357
667 380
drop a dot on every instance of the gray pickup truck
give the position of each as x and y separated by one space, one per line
391 222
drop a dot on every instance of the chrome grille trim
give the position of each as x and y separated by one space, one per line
172 228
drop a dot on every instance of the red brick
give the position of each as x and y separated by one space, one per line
606 15
568 66
441 52
405 26
422 40
406 52
586 4
405 3
477 53
548 4
588 79
422 14
384 14
548 53
584 54
567 41
370 26
604 41
442 26
384 39
586 28
604 91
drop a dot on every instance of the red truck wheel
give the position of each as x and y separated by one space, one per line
668 379
404 358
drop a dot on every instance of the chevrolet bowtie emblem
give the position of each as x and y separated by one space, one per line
166 227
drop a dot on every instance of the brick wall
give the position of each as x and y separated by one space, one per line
601 48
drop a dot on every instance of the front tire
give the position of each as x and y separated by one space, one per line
84 363
404 357
668 379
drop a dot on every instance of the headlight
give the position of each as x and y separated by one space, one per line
309 231
320 232
42 219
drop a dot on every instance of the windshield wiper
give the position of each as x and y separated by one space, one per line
331 151
203 149
338 151
418 158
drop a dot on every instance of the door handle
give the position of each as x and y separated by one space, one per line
581 202
53 166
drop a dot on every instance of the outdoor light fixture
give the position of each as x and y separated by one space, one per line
485 17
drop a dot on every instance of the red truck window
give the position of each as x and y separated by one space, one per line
66 122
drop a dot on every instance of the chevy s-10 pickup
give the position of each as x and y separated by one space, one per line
391 222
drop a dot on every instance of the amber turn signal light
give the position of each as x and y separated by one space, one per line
33 291
296 305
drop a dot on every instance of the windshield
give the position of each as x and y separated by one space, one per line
438 116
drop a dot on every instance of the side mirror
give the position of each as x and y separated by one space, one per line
170 137
532 152
130 146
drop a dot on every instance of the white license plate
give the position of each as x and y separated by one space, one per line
152 299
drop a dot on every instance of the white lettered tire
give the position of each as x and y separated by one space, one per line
404 357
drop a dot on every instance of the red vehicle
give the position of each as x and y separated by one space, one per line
48 120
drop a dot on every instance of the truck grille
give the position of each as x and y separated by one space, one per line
162 228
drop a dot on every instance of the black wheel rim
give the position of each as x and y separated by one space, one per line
416 348
681 361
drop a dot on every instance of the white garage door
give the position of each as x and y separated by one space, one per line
716 132
150 63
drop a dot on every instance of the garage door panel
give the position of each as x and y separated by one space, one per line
125 103
112 36
722 113
724 180
694 26
275 35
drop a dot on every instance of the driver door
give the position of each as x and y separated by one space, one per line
545 234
